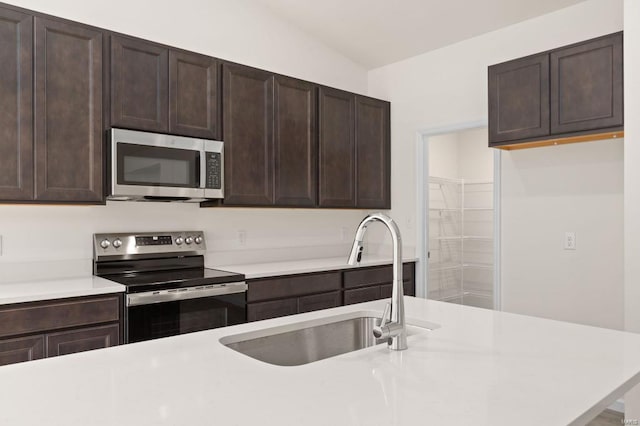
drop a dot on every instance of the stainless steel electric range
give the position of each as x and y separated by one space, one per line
169 291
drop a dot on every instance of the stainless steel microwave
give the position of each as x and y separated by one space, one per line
156 167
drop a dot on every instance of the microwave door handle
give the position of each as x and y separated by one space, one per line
203 169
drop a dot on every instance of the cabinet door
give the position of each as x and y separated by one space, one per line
21 349
586 85
68 112
247 111
296 145
359 295
319 301
519 99
139 85
85 339
408 289
16 117
193 95
296 285
273 309
337 186
39 317
373 153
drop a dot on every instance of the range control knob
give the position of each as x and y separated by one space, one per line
105 244
198 239
188 240
117 243
179 241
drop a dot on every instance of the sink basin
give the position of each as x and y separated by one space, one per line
310 341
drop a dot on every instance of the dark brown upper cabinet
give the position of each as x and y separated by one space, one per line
247 114
193 95
373 159
337 177
139 85
355 151
586 85
270 135
68 112
570 94
296 142
51 126
519 99
16 94
157 89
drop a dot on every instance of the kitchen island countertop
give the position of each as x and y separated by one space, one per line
480 367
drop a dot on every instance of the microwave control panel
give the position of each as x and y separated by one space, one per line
214 170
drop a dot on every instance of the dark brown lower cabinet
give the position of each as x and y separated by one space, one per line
50 328
319 301
360 295
367 294
21 349
287 295
272 309
86 339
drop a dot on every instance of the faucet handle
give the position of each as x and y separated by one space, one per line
386 315
380 330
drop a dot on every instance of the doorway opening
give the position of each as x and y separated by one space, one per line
460 208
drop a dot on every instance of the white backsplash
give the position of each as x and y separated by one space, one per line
41 241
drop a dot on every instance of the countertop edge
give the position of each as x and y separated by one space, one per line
275 269
62 288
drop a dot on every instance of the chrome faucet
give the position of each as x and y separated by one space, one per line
392 324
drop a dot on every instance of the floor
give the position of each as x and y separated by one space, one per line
607 418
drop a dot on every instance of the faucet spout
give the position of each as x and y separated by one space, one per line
392 327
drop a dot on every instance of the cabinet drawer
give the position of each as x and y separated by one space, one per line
318 301
22 349
44 316
299 285
360 295
387 289
375 275
86 339
273 309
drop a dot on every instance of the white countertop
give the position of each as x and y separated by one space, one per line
480 368
271 269
31 291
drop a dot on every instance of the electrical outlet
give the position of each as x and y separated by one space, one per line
569 240
409 223
242 237
0 245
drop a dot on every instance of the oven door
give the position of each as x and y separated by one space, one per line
148 165
170 312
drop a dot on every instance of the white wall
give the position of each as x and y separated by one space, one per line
461 155
443 155
476 158
449 86
545 193
60 236
632 179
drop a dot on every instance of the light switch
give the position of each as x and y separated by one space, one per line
569 240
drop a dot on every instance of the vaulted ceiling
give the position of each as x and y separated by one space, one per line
378 32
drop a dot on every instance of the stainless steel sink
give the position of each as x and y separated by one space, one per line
310 341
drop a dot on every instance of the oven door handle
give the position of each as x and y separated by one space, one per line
197 292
